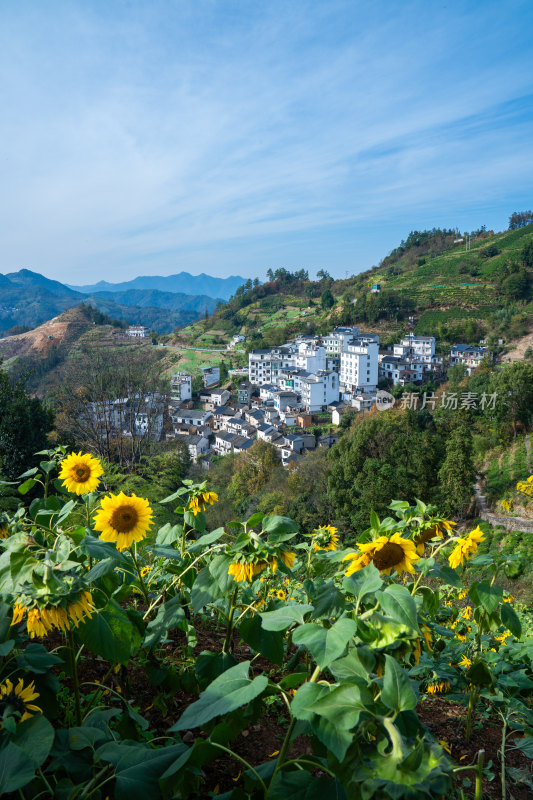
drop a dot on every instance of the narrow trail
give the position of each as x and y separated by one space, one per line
509 523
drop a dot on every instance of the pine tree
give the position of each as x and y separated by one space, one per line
457 473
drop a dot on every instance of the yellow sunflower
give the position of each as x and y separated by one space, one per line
123 519
246 572
201 501
280 594
465 662
386 554
19 698
438 687
466 547
434 531
288 558
325 538
4 532
81 473
41 621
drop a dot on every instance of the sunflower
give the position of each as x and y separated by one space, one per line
325 538
280 594
80 473
41 621
123 519
288 558
386 554
438 687
199 502
436 530
246 572
466 547
465 662
19 698
4 532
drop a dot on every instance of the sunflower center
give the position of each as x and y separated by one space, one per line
14 702
82 472
124 519
389 555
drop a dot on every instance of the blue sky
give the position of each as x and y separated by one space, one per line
227 136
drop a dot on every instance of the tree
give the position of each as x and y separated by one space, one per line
515 287
102 396
253 470
24 423
326 299
386 457
513 387
519 219
457 473
456 373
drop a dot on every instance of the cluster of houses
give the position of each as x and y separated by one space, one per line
286 387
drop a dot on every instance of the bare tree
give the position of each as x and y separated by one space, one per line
113 401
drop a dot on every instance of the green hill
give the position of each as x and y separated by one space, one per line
449 291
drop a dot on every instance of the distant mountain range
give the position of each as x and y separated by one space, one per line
183 282
28 298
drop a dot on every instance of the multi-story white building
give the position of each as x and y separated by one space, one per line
137 331
419 348
359 364
470 356
319 389
180 387
266 366
334 342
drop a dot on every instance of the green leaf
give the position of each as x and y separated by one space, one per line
210 665
86 736
398 603
305 697
325 644
365 581
25 487
168 616
231 690
343 704
281 618
276 525
205 590
110 634
397 693
138 768
489 596
358 663
510 620
479 674
36 658
169 534
206 540
35 736
268 643
16 768
96 548
328 602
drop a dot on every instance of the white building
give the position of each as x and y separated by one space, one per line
470 356
335 341
180 387
235 340
359 364
319 389
197 444
419 348
137 331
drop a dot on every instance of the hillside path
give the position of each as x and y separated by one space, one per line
509 523
201 349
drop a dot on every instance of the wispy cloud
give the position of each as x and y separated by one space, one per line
221 136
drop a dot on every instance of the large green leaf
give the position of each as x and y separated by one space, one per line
138 768
206 540
35 736
279 525
397 693
304 699
168 616
328 602
210 665
229 691
268 643
343 704
305 786
207 589
486 595
510 620
365 581
281 618
16 768
110 634
325 644
36 658
168 535
398 603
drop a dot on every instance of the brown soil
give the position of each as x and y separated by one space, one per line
47 336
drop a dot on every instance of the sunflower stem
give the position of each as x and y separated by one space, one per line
229 629
75 677
141 582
